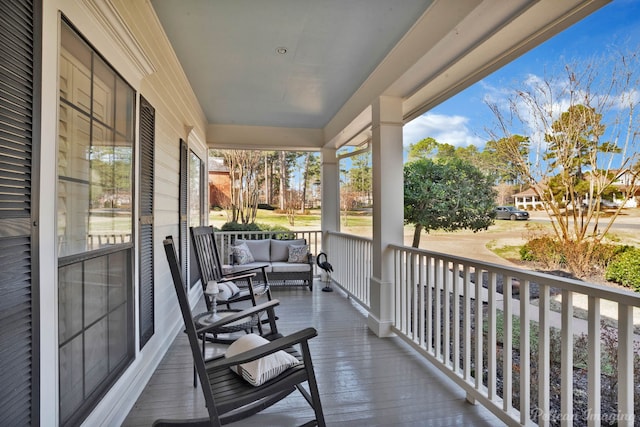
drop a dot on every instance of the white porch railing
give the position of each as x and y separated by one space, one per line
526 324
436 311
351 258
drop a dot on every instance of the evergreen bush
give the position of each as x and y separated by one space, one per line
625 269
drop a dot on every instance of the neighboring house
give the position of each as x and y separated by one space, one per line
219 183
626 182
528 200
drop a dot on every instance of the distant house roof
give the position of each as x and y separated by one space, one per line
216 164
527 192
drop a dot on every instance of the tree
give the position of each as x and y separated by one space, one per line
447 195
361 178
579 150
500 154
423 149
244 169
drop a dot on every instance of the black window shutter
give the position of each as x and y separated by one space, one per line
146 285
183 207
20 23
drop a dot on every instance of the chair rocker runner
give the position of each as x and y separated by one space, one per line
227 395
210 268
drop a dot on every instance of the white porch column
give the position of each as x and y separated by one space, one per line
330 193
388 208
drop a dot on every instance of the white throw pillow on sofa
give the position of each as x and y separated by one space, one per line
262 370
242 254
298 253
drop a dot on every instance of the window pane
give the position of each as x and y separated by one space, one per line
95 289
124 109
75 142
73 217
69 301
71 377
96 350
194 190
103 92
75 70
118 273
117 342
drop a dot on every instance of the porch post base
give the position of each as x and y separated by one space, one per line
380 317
380 328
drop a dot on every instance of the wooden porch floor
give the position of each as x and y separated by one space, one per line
363 380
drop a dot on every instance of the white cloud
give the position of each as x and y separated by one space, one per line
445 129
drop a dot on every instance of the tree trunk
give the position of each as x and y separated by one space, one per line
416 236
305 179
283 178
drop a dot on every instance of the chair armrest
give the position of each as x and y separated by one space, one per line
259 267
263 350
267 306
236 276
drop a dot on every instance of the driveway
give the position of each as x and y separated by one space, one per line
469 245
511 233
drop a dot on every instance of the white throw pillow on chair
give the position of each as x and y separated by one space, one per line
262 370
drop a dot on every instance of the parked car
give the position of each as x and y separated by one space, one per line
511 212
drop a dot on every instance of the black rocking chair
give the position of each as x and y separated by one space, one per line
228 397
210 268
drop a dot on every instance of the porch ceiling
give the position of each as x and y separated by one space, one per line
340 56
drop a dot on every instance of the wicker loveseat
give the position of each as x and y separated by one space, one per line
288 261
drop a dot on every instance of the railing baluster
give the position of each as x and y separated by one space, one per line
422 266
478 330
437 323
593 362
467 322
430 297
566 359
456 317
625 365
544 416
507 344
446 309
491 337
525 353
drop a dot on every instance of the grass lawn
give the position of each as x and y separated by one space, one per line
353 222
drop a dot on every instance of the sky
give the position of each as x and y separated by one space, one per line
462 120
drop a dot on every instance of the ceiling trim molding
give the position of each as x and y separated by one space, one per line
116 28
241 137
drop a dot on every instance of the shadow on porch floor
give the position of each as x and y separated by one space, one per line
363 380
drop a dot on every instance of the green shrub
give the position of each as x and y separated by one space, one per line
625 269
279 232
543 249
266 206
581 258
236 226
